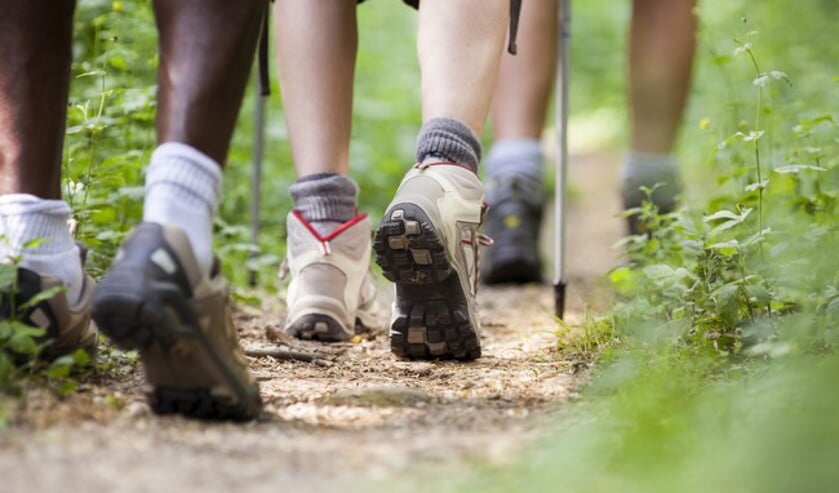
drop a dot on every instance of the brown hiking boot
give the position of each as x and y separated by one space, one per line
155 298
67 325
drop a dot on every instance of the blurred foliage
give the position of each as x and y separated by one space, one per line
727 310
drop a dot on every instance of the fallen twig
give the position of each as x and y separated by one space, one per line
283 354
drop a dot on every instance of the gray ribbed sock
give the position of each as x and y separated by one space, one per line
520 161
447 139
326 200
643 169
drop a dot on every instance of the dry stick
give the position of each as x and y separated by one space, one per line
282 354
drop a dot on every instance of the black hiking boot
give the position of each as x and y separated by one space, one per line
513 221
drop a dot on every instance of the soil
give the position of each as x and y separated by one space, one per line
355 413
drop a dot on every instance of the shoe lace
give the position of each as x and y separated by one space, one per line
284 269
477 240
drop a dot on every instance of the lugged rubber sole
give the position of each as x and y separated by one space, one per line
160 323
431 310
316 327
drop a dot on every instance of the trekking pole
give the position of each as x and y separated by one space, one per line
256 173
262 89
560 199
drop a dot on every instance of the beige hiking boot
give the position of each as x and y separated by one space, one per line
155 298
66 324
427 244
330 295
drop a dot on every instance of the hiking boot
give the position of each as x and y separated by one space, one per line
513 222
663 196
427 244
66 324
155 298
331 294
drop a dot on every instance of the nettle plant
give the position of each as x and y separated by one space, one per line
21 344
728 278
110 123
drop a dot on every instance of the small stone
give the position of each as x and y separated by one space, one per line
137 409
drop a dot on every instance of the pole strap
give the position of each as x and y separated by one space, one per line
515 15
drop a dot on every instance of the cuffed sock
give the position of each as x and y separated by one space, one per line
448 139
25 218
183 189
518 161
325 200
644 169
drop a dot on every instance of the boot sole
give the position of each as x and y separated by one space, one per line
160 323
431 310
316 327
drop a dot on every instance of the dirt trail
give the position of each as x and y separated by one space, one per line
361 414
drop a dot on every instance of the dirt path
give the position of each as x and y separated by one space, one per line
358 414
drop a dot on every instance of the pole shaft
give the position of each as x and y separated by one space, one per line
562 102
256 171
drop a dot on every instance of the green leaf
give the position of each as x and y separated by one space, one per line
759 293
727 301
752 136
797 168
32 243
57 371
8 275
42 296
23 343
658 271
624 280
760 185
726 248
731 219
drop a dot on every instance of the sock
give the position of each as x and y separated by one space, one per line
183 189
644 169
326 200
447 139
518 161
24 218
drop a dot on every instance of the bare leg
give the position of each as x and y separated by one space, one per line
206 51
662 44
460 45
316 50
525 81
34 79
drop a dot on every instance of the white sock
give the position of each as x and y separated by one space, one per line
25 218
183 189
